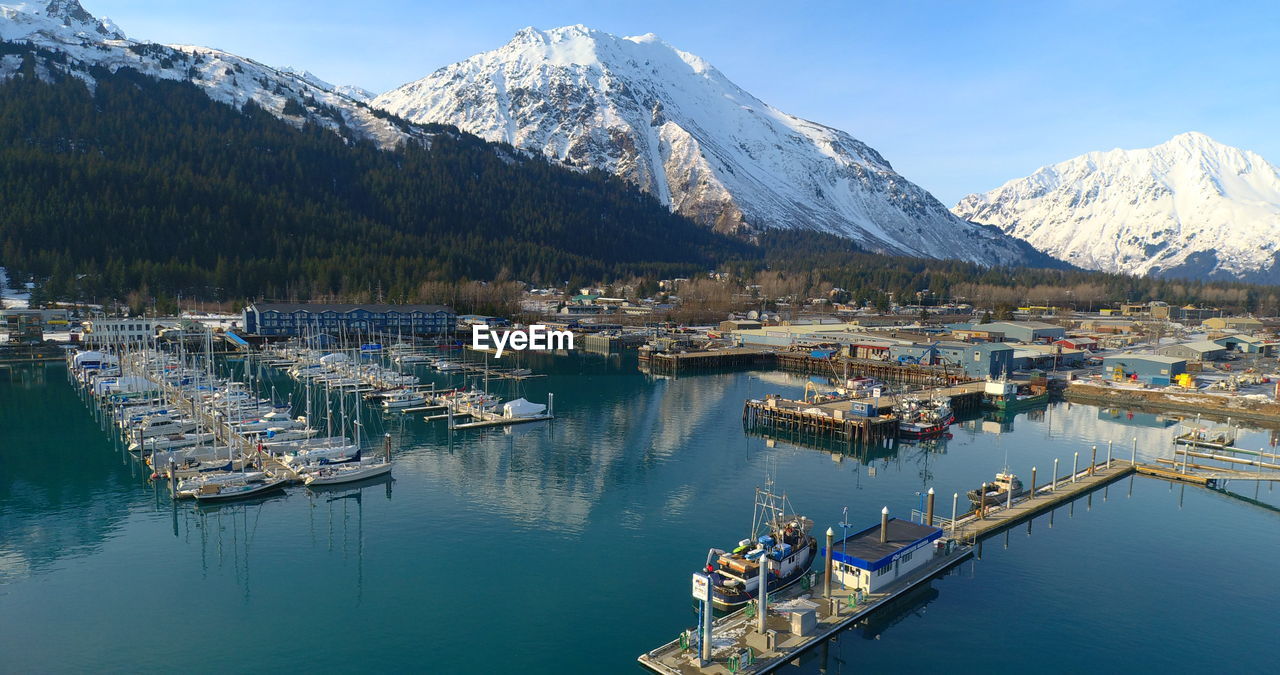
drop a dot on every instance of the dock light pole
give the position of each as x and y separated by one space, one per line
1055 476
826 581
928 509
1075 467
884 525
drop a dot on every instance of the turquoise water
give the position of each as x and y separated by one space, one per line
567 546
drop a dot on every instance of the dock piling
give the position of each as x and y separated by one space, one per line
884 525
955 501
1093 459
1108 454
928 509
1055 476
1133 456
1075 467
1032 494
762 595
826 579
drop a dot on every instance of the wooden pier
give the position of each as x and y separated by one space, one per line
885 371
675 363
837 419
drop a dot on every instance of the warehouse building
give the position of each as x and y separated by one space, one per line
1201 350
1149 368
1247 344
1025 331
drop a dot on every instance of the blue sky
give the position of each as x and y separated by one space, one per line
958 96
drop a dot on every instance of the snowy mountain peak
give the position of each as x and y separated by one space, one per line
83 41
669 122
1190 206
55 16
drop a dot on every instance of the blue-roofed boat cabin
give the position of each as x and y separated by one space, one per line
864 560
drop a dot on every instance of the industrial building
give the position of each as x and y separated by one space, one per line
46 319
1247 344
1024 331
293 319
1243 323
1149 368
1201 350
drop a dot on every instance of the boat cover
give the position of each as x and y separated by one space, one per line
522 408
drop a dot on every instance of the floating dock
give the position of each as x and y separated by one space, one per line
799 618
977 524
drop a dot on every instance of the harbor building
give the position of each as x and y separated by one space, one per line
292 319
868 562
130 332
1201 350
1149 368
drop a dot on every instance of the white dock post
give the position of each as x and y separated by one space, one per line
1075 467
955 500
1055 476
1008 497
1108 455
551 405
826 581
762 594
705 643
1133 456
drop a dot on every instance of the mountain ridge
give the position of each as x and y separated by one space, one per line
671 123
1188 207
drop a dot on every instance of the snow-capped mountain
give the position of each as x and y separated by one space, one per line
1190 207
671 123
64 26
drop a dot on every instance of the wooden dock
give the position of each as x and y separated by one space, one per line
837 418
731 652
675 363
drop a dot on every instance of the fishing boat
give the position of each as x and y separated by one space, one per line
923 418
347 473
997 492
403 398
221 492
1005 395
776 535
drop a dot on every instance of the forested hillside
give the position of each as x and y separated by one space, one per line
149 183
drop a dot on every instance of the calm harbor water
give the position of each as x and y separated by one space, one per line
567 546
